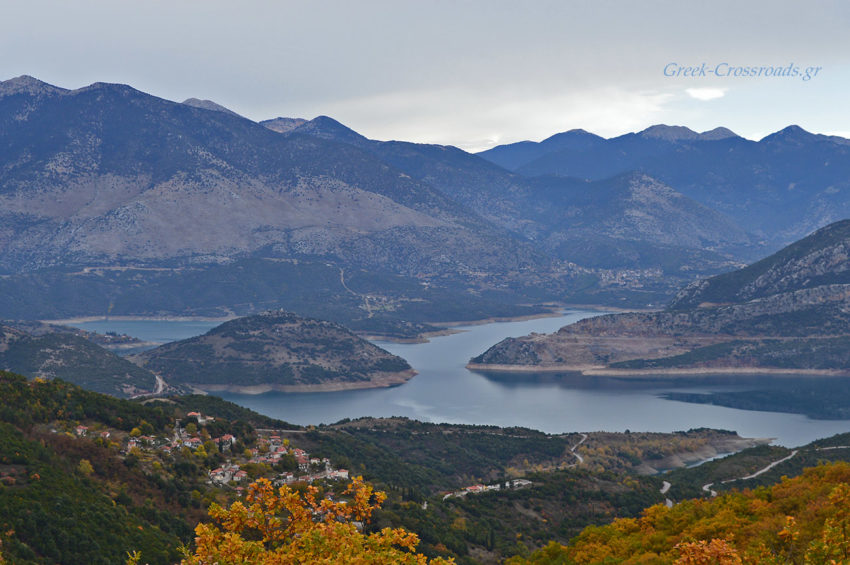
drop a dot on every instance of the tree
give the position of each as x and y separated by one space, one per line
714 552
285 527
85 467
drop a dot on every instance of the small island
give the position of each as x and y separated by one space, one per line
276 351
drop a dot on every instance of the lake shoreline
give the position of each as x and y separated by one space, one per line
602 371
88 319
554 311
384 380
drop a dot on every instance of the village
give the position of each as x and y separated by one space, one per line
269 454
478 489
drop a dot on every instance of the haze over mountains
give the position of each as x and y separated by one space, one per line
780 188
125 201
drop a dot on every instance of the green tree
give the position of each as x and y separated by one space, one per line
85 467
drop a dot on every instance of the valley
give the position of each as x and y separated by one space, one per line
576 350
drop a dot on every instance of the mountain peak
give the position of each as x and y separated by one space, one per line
574 134
791 134
26 84
208 105
112 87
717 133
669 133
326 127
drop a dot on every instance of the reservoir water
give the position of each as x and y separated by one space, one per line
445 391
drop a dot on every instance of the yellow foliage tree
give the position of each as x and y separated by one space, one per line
85 467
714 552
285 527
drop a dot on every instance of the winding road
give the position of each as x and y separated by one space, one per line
573 449
707 487
764 470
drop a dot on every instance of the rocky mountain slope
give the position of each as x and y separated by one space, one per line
276 351
111 175
790 311
630 221
109 188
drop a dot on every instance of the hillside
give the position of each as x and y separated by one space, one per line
800 520
86 477
786 313
108 187
72 358
276 351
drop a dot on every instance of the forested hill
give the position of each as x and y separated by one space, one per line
800 520
68 356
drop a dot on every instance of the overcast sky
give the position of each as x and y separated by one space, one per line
472 74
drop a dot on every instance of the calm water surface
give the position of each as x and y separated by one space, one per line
156 331
444 391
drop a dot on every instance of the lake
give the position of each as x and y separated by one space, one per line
445 391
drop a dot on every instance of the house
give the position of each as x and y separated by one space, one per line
240 476
193 443
81 431
200 417
223 475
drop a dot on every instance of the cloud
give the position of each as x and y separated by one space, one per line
474 120
706 93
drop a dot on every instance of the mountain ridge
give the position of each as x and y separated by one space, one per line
787 313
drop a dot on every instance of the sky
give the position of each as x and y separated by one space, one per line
468 73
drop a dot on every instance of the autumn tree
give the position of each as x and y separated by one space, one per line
85 467
714 552
285 527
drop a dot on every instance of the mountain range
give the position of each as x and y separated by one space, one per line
779 188
113 201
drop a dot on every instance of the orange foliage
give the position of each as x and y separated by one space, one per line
801 520
284 527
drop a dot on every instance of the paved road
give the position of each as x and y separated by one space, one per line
573 448
765 470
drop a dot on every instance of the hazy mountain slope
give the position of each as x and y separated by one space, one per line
106 173
276 351
614 224
106 178
781 187
635 219
789 311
